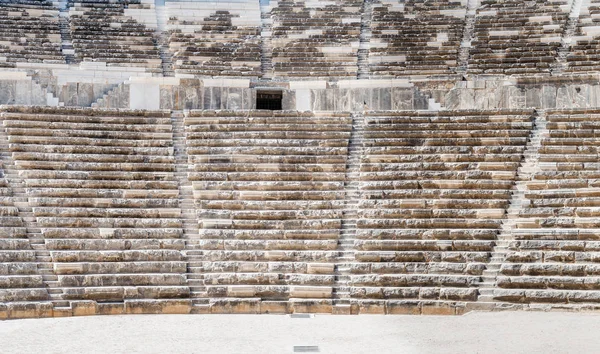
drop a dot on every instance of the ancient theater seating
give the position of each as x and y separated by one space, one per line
585 46
269 187
554 255
20 279
215 38
102 32
316 38
517 37
415 37
434 188
29 33
105 199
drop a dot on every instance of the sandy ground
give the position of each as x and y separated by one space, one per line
498 332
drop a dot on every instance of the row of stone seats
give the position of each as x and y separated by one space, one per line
415 37
103 192
517 37
29 32
554 255
433 190
315 39
20 279
269 188
221 39
584 50
102 32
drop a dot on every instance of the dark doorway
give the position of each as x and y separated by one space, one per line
269 100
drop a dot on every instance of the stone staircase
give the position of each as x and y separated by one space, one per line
571 26
465 44
341 292
34 234
162 36
105 100
188 213
365 40
266 46
65 33
518 201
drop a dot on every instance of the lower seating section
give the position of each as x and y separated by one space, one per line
554 255
102 32
517 37
434 188
415 37
29 33
20 280
105 199
316 38
269 188
215 39
585 46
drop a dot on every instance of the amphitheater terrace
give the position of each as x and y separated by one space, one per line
341 157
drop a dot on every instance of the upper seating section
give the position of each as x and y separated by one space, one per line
554 255
103 193
434 188
215 38
585 46
29 32
517 37
269 188
102 32
315 39
415 37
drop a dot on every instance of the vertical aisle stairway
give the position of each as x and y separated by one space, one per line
465 44
34 234
518 201
365 40
350 216
569 31
266 46
162 37
186 203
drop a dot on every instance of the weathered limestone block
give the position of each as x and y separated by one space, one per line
235 306
310 306
116 256
25 294
106 245
275 307
29 309
119 267
120 280
181 306
372 307
438 308
18 269
310 291
395 307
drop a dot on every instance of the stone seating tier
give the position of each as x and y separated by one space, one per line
101 31
433 192
103 194
553 255
516 37
29 32
326 34
216 42
269 190
415 37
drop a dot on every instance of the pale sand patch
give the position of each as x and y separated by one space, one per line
499 332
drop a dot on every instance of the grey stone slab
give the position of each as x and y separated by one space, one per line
8 92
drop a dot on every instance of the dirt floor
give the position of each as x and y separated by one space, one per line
488 332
